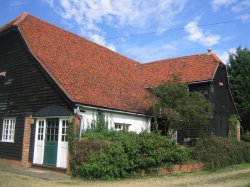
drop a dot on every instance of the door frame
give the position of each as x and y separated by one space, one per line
60 145
35 159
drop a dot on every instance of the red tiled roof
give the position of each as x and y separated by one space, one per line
88 73
194 68
94 75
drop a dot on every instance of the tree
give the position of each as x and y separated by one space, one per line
173 102
239 82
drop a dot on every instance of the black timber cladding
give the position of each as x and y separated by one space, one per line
224 106
25 89
218 92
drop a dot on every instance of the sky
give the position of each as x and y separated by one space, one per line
146 30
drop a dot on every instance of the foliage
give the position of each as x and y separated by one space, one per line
246 136
156 151
218 152
71 135
173 101
97 158
233 120
113 154
239 79
100 124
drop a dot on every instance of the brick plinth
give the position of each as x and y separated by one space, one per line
26 141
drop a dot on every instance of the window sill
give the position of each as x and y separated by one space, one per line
6 141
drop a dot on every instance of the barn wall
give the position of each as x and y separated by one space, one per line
218 92
24 90
224 106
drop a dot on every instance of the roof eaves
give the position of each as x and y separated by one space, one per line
215 70
201 81
109 109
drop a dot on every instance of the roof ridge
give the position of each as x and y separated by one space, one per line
179 57
15 22
21 18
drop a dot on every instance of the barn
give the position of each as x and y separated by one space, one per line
48 74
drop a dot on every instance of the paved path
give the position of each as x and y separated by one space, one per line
33 172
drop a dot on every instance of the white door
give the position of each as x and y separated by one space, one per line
62 155
39 141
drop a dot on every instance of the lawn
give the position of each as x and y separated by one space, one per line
238 175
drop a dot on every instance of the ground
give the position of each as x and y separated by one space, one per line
238 175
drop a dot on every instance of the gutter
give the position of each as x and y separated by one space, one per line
110 110
196 82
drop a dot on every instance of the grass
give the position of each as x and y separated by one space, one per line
237 175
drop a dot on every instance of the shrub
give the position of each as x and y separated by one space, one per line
218 152
156 151
246 136
83 150
112 154
106 164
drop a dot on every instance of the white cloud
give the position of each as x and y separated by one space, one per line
196 34
49 2
241 6
244 17
224 55
101 41
91 15
217 4
152 52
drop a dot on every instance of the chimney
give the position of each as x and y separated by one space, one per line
209 50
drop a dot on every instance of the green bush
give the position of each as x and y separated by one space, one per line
156 151
246 136
111 154
106 164
83 151
218 152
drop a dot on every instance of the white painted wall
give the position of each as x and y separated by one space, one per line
138 123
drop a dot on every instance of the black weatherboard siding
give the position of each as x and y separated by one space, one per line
218 92
25 90
224 106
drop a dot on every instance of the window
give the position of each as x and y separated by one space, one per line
40 130
122 126
8 130
52 130
65 126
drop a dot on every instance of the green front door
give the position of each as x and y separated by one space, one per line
51 142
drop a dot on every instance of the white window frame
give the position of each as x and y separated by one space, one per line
122 127
65 129
8 134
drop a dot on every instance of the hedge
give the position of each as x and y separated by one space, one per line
216 152
112 154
